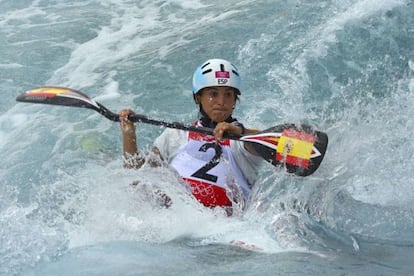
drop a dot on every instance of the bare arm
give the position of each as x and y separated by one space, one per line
132 158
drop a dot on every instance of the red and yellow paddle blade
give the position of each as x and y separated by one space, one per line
297 147
57 96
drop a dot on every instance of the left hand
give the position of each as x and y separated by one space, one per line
225 127
127 127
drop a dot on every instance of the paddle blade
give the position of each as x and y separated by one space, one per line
58 96
297 147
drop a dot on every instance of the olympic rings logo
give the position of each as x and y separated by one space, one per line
202 189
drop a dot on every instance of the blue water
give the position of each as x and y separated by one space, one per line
346 67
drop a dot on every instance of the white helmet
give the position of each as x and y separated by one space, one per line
216 72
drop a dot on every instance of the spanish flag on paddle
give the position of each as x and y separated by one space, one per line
298 147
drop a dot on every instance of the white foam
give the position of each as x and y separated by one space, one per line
114 44
13 127
136 33
189 4
325 34
110 92
24 14
8 66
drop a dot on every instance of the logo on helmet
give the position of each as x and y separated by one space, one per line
222 74
222 81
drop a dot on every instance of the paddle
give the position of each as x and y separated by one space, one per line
298 147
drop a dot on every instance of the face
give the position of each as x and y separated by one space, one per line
218 102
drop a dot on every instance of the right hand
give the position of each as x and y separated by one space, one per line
127 126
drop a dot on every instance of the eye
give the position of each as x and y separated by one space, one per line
229 94
213 93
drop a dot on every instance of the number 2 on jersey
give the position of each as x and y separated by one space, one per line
202 172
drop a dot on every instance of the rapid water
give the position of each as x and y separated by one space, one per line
66 203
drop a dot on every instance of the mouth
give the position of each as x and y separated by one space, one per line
220 110
220 113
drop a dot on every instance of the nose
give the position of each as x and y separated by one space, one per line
221 99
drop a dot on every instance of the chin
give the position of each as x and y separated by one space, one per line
220 117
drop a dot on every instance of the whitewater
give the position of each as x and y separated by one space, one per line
67 206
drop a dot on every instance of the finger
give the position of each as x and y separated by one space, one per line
219 134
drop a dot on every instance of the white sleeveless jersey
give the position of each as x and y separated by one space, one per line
195 158
210 169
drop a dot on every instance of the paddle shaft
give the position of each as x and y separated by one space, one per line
177 125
